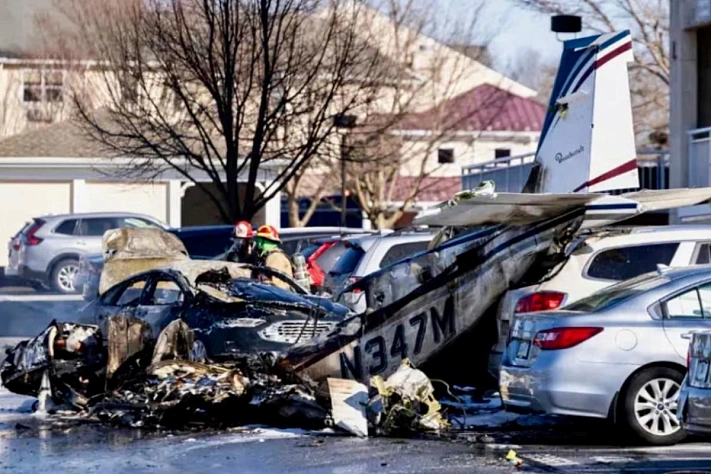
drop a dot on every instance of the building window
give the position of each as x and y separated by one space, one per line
42 87
129 89
445 156
502 152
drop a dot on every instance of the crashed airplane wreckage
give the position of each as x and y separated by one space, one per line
490 242
141 364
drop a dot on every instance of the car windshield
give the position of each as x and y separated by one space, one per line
348 261
618 293
328 259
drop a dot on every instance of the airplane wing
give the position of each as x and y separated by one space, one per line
505 208
613 209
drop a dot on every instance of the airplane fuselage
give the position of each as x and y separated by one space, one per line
437 311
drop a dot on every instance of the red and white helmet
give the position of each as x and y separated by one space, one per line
243 230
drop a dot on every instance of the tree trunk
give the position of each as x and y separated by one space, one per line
293 205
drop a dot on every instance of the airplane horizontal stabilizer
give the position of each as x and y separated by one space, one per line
662 199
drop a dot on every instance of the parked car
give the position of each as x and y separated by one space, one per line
321 256
694 411
619 353
48 248
597 260
205 243
365 255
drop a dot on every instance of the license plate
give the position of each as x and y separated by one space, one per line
523 350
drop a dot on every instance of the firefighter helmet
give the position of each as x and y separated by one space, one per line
268 232
243 230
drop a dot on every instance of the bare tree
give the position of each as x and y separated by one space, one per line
220 91
433 73
648 21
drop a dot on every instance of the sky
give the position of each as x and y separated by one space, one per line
513 29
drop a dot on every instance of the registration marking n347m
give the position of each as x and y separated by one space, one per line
425 330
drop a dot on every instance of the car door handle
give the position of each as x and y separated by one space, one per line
687 335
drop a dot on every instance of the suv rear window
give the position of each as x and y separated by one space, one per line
328 259
704 255
348 261
67 227
401 251
624 263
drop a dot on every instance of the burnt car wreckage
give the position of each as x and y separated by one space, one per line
196 343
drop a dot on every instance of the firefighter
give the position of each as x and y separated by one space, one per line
242 250
269 254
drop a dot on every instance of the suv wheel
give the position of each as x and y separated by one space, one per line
650 404
62 278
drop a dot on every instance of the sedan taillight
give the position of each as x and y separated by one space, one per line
564 338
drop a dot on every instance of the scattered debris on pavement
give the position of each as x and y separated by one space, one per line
405 403
129 378
512 458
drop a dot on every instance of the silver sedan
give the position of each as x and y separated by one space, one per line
618 354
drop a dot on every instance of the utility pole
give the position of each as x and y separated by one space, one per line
344 122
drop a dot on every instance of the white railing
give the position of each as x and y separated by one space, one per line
510 173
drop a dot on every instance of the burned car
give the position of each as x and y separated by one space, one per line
229 314
197 311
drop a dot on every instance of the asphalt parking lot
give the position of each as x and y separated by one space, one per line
30 443
24 311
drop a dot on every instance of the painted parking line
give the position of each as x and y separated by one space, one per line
551 460
35 298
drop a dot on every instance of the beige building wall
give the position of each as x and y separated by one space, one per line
34 94
150 199
467 151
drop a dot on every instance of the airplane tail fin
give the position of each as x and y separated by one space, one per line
587 142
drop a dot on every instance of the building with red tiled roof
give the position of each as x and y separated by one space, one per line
483 108
480 125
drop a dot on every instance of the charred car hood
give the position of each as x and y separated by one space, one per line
255 292
129 251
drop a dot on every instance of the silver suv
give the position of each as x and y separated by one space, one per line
47 250
365 255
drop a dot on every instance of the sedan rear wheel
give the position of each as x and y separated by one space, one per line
650 406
